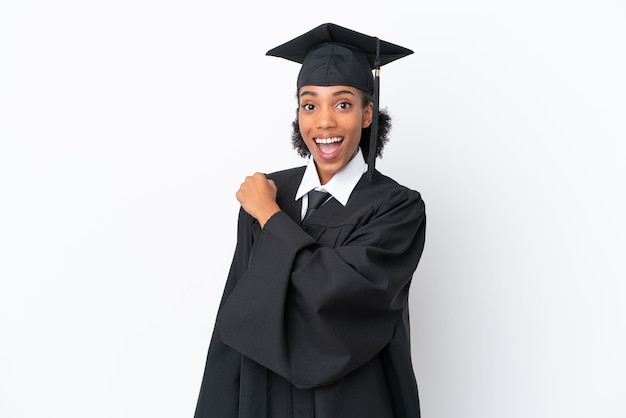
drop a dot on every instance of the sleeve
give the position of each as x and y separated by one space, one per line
313 314
220 387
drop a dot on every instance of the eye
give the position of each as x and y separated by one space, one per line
344 105
307 106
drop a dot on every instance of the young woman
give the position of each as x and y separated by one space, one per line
314 317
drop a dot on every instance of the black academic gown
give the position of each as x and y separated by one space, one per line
314 318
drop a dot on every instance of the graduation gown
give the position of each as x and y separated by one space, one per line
314 320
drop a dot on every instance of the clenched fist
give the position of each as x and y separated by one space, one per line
257 196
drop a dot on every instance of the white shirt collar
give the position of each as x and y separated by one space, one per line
341 185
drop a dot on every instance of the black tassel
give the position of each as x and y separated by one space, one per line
371 158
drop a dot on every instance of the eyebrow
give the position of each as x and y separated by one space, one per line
336 93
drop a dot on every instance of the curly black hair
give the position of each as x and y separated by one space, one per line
384 127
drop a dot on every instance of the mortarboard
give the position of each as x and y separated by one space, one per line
332 55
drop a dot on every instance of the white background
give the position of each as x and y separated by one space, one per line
126 127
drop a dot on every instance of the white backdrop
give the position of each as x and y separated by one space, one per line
127 126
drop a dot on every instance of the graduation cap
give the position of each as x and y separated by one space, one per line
332 55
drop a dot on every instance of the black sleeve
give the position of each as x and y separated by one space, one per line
219 391
313 314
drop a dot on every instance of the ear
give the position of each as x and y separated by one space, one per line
368 113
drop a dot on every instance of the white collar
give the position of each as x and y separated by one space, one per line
341 185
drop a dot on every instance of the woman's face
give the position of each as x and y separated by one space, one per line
331 119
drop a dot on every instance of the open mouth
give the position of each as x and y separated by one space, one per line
329 145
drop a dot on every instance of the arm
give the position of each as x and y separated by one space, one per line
313 314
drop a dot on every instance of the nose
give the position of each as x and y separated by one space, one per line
325 117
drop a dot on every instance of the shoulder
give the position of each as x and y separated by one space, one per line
287 182
385 189
287 176
385 198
